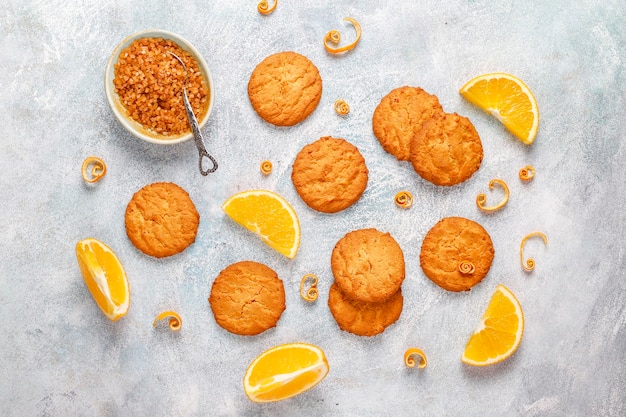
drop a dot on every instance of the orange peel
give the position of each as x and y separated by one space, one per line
310 294
481 199
403 199
529 264
466 267
410 356
341 107
334 37
266 167
97 171
264 8
175 322
527 173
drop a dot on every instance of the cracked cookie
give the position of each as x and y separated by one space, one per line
456 253
362 318
447 150
247 298
329 174
368 265
161 220
285 88
399 116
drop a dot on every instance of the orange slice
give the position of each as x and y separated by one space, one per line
508 99
269 216
285 371
499 333
105 277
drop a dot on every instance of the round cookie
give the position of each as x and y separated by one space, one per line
400 115
329 174
447 150
161 220
361 318
247 298
451 241
368 265
285 88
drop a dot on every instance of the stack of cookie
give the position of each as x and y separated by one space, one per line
444 148
368 267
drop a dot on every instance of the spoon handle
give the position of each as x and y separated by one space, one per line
197 136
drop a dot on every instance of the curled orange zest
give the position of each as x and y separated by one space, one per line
175 322
409 358
527 173
311 294
341 107
266 167
98 169
334 37
404 199
264 8
481 198
529 264
466 268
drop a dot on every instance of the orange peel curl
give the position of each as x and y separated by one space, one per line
175 322
529 264
527 173
97 171
334 37
410 356
403 199
264 8
341 107
481 199
311 293
466 267
266 167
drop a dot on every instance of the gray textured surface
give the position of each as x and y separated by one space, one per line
60 356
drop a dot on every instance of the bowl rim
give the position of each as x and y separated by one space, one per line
135 128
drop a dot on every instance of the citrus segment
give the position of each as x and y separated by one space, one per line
508 99
285 371
499 333
269 216
105 277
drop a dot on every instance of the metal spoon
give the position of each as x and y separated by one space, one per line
193 122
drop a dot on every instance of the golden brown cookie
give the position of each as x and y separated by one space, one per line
329 174
400 115
361 318
161 220
285 88
447 150
456 253
247 298
368 265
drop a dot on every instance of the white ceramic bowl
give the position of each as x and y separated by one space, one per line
120 112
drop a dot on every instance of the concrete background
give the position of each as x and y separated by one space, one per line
61 356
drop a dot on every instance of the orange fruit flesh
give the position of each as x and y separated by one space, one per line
104 276
499 334
269 216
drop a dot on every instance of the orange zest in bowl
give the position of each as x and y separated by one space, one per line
175 322
481 199
334 37
93 169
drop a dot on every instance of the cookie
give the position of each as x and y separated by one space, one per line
285 88
329 174
368 265
362 318
400 115
247 298
452 242
161 220
447 150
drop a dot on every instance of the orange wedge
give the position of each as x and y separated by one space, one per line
285 371
499 333
105 277
269 216
508 99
